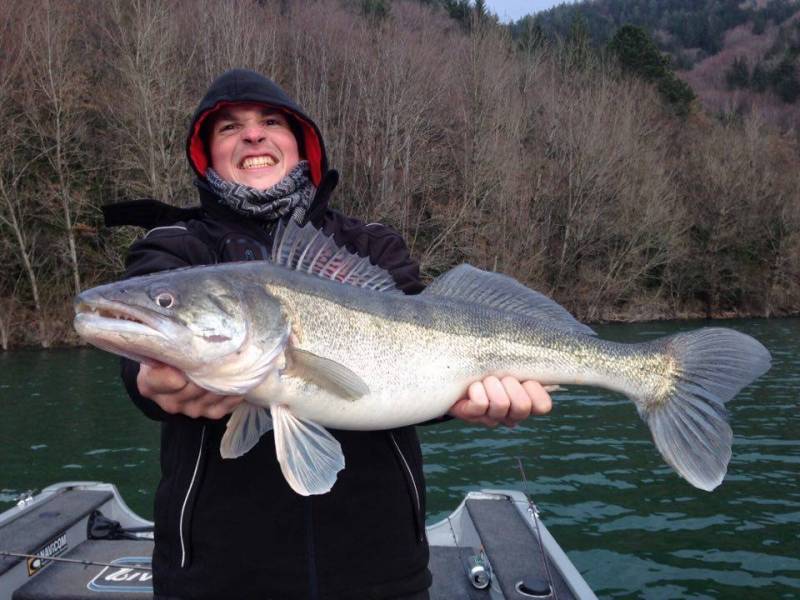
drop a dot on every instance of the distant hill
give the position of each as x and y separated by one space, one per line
734 54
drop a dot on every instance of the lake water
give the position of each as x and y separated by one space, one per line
630 525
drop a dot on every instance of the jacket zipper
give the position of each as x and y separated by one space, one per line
410 474
189 493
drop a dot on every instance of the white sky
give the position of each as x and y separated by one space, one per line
512 10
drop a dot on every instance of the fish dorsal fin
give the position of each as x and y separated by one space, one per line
467 283
309 250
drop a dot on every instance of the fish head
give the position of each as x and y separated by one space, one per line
198 319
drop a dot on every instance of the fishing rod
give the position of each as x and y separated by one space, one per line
532 508
74 561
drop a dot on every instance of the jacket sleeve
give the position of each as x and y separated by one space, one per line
161 249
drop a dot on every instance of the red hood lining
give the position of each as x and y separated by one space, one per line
311 142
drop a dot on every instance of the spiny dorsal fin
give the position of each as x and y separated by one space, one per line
465 282
309 250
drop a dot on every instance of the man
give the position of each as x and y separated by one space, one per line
233 528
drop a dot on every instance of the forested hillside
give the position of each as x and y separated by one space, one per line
563 167
738 56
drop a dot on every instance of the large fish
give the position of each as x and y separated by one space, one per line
320 338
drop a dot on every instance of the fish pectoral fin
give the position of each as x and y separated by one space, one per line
310 457
328 374
245 427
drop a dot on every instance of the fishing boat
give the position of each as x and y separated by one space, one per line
80 541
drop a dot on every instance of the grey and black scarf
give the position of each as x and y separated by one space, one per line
291 195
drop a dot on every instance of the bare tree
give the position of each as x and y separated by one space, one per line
55 111
144 99
234 34
17 210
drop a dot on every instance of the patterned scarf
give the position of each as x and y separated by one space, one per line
292 194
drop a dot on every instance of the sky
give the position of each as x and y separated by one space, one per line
512 10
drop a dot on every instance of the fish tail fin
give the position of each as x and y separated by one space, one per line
689 421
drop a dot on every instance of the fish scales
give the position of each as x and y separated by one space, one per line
374 334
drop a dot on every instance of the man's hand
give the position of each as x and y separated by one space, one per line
174 393
492 402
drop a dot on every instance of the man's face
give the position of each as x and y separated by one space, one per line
252 144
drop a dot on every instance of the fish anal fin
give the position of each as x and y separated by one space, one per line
327 374
310 457
245 427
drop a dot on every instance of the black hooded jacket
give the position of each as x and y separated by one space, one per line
234 528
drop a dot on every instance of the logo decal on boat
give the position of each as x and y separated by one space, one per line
124 577
52 548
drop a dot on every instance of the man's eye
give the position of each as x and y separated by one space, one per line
226 127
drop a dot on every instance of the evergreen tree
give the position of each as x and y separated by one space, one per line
759 23
458 10
637 53
738 75
578 41
677 93
785 81
376 10
639 56
760 78
529 34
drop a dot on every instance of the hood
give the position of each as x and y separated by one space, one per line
242 85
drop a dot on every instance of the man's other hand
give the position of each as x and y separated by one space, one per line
493 401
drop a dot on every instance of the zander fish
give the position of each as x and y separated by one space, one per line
320 338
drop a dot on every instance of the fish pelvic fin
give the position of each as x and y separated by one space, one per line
470 284
689 421
310 457
245 427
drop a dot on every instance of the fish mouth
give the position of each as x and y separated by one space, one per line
132 332
108 315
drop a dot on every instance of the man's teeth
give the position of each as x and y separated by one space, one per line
253 162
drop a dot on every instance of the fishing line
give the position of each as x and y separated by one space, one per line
74 561
535 514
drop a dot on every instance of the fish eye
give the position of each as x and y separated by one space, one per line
165 300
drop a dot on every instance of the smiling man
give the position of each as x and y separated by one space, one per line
234 528
253 145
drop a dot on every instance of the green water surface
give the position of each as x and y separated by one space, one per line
630 525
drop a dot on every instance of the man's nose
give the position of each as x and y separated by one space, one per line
254 133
